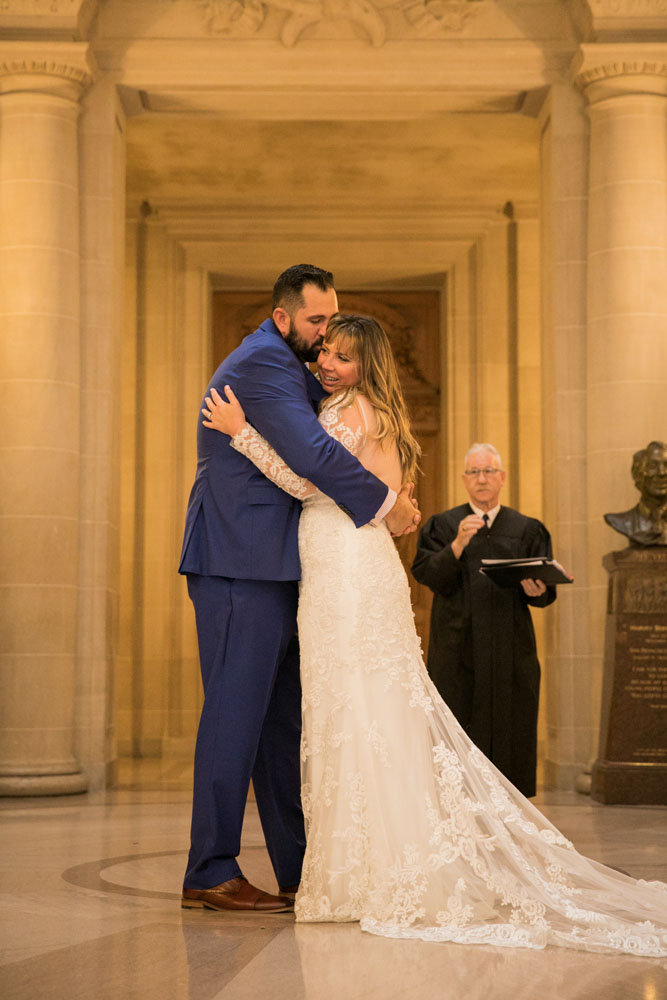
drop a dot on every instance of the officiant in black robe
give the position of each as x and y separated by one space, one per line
482 655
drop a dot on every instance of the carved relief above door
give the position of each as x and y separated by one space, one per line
412 322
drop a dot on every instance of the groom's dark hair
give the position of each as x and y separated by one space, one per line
288 289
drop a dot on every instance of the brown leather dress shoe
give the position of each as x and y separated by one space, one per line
238 895
290 891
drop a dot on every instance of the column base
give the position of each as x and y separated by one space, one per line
629 784
559 776
25 785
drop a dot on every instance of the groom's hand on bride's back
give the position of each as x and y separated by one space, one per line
404 516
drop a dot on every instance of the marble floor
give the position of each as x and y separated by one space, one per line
90 909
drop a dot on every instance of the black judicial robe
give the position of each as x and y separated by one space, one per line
482 655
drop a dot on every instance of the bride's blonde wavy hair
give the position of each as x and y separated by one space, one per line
367 344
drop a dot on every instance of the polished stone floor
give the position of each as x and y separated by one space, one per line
90 909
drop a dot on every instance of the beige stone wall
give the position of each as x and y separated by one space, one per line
493 370
165 365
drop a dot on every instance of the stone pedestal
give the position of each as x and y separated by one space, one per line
632 765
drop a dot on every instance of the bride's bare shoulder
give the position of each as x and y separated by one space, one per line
365 406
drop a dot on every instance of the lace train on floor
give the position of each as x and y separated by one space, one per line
411 830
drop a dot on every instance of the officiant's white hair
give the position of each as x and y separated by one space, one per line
475 448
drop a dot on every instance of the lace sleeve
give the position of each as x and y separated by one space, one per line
249 442
346 422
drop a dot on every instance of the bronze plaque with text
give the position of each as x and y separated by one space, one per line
632 766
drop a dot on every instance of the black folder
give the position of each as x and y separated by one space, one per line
510 572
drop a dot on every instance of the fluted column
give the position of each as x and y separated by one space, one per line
40 89
626 90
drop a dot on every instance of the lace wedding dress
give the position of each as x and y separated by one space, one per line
410 829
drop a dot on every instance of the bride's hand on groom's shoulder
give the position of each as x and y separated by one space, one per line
221 415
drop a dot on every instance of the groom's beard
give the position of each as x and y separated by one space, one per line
303 351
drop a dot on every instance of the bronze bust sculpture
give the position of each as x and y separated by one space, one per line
646 523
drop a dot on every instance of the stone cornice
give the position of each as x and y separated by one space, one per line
599 19
627 8
65 69
173 65
628 15
438 220
47 18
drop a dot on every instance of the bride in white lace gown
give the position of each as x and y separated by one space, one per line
410 829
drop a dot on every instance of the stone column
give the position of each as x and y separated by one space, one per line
40 88
102 206
572 722
626 90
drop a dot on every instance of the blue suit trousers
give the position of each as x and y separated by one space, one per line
250 726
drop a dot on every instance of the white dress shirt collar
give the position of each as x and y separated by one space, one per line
492 514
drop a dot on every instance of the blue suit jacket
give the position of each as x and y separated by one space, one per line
238 524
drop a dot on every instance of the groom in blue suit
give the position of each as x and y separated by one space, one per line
241 560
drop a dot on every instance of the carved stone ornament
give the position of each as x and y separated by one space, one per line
608 71
615 69
45 67
64 69
241 18
435 16
233 17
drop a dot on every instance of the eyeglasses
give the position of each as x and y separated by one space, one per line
481 472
